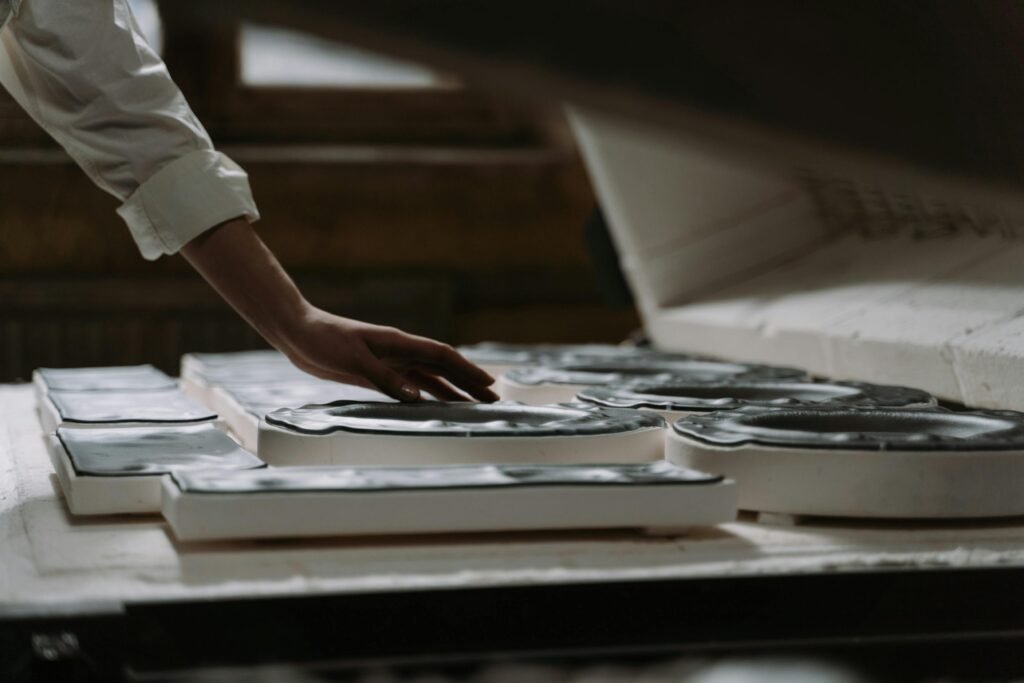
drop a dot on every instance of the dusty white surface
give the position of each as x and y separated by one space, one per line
48 558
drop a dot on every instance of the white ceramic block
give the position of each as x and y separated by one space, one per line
409 434
929 464
332 501
243 406
105 409
908 337
989 365
118 471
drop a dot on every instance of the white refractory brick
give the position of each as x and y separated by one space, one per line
908 338
333 501
779 316
683 219
989 365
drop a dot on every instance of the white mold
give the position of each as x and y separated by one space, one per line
930 464
409 434
243 406
332 501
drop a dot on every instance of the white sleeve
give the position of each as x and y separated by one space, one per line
83 71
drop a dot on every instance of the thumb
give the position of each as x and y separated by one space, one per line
388 381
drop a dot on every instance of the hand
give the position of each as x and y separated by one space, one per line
234 260
399 364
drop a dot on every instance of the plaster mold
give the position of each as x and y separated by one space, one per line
117 378
115 471
243 406
334 501
673 400
561 382
859 462
105 409
429 433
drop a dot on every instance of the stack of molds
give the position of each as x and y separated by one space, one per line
201 372
323 501
242 406
434 433
861 462
675 399
498 358
118 470
561 381
105 397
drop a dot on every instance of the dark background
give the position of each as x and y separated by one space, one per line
436 208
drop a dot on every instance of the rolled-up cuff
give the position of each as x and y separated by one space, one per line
185 198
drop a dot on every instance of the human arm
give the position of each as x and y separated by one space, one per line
84 72
243 270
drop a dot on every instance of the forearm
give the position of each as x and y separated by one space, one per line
240 267
234 260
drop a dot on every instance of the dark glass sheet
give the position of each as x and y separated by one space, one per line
931 429
168 405
118 378
133 451
429 418
710 396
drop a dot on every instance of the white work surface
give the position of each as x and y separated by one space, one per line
51 561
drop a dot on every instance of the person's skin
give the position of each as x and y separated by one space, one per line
234 260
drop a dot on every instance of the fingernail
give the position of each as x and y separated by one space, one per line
410 391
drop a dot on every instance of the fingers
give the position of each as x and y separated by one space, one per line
387 380
437 359
332 375
434 386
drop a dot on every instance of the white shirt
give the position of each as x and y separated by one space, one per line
84 72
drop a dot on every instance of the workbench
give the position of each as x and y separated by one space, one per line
124 593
